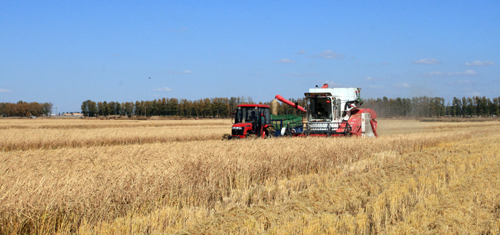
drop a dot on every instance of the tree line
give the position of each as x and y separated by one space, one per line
208 107
435 107
223 107
204 108
25 109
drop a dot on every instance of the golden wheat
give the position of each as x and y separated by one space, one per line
37 136
52 123
304 185
18 134
442 189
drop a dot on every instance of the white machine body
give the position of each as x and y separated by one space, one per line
328 107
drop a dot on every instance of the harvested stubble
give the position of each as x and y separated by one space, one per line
459 119
388 127
310 185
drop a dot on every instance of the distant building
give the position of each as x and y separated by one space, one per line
72 115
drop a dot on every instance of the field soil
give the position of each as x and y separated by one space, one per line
179 177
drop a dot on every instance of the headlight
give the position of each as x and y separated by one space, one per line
237 128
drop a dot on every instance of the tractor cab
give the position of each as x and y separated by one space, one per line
251 120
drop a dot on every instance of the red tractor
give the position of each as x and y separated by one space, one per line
251 120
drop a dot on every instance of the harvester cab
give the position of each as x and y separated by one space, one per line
251 120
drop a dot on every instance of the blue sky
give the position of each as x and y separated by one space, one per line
66 52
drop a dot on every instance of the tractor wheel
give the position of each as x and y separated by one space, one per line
269 133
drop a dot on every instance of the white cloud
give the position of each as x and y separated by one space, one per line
179 72
403 85
301 52
475 93
332 84
460 82
328 54
465 73
301 74
369 78
162 89
479 63
437 73
5 91
426 61
285 61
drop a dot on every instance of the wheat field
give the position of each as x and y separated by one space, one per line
178 177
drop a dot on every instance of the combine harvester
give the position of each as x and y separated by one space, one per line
329 112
